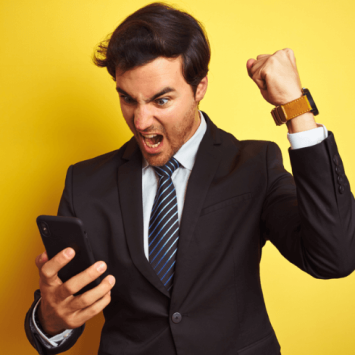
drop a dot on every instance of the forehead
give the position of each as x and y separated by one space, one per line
148 79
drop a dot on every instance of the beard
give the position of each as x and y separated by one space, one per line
174 138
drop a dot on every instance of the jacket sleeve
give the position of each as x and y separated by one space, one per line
311 219
43 347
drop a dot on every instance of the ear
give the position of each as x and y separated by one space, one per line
201 89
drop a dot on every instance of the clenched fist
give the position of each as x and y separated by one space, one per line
276 76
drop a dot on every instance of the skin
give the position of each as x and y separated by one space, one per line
155 99
59 309
277 78
173 115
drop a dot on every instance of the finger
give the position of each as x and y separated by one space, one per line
250 64
77 282
291 55
288 51
256 67
255 72
41 259
90 297
261 84
260 56
49 271
94 309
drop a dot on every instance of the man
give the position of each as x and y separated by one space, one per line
177 217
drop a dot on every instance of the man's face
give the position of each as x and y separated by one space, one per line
159 107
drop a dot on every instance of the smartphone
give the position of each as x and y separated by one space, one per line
59 233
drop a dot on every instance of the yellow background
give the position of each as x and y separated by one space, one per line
57 108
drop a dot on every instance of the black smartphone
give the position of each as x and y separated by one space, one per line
59 233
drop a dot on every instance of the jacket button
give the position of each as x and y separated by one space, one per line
176 317
340 179
338 170
336 160
341 189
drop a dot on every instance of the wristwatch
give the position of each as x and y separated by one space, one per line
283 113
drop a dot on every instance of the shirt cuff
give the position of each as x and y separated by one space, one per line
56 339
308 138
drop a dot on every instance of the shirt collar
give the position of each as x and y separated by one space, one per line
186 155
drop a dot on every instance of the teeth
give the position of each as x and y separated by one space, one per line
151 145
148 144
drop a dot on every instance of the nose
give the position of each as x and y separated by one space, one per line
143 117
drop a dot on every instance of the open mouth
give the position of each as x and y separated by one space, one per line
152 140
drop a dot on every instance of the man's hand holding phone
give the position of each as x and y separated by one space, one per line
59 309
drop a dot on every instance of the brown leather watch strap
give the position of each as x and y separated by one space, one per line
284 113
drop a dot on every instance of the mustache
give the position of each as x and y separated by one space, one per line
152 129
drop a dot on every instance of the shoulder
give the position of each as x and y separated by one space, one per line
232 146
247 149
105 163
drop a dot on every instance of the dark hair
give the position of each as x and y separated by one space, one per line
157 30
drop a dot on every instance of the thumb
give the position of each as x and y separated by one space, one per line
250 64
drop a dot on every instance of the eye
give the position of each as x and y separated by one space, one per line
161 102
127 99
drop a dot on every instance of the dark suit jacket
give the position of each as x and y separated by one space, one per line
238 196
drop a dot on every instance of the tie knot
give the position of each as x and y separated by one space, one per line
167 169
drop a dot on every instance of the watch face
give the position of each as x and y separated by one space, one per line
311 101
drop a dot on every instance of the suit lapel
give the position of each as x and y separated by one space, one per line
130 194
207 161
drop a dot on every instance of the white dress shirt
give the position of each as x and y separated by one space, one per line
186 156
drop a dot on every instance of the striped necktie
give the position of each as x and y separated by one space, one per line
164 225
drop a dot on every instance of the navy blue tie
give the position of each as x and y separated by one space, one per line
164 225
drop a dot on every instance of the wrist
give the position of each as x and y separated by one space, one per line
300 112
42 324
301 123
296 94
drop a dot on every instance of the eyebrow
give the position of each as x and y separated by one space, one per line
155 96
